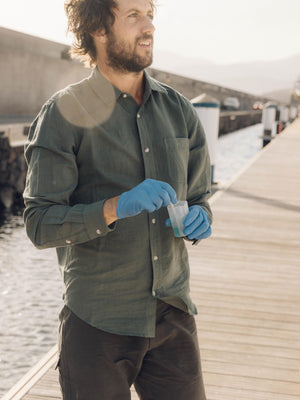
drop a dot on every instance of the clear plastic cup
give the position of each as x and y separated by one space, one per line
178 213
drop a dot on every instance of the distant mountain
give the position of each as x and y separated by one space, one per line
282 95
255 77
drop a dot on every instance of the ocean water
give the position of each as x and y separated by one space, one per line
30 298
30 284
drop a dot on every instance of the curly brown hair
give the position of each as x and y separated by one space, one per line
86 17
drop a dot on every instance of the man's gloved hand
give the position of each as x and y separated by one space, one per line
196 224
150 195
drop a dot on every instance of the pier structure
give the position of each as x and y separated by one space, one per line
245 282
47 68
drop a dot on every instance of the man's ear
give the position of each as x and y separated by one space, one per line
100 36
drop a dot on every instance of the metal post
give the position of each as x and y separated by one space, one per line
293 113
208 110
268 120
284 116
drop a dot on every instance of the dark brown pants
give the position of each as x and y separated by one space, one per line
96 365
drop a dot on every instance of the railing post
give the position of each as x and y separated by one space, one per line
208 110
268 120
293 113
284 115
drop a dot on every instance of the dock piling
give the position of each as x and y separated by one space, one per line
208 110
268 120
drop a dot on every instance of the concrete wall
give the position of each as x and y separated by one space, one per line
231 121
32 69
192 88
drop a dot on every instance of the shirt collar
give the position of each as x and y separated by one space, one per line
102 87
154 84
109 93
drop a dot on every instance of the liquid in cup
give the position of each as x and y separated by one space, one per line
178 213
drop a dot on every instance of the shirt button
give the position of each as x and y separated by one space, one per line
154 221
138 116
155 258
153 293
146 149
98 232
68 241
125 95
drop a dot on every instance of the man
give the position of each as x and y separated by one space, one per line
105 157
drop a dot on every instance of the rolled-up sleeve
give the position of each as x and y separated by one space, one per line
50 218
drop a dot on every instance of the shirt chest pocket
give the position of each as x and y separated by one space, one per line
177 158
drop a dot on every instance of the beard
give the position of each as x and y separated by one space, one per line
122 58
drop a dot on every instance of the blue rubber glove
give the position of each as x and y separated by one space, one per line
197 224
150 195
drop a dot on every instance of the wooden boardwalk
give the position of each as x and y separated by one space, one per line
245 281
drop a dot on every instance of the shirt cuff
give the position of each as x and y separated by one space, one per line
95 222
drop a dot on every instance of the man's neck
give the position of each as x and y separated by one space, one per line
131 83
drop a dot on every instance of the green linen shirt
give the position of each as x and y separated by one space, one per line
91 142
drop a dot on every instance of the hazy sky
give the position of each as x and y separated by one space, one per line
222 31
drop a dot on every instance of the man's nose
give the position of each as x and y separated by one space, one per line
148 26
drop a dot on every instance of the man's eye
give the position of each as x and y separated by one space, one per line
133 15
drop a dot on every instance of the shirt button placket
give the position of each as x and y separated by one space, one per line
156 276
146 148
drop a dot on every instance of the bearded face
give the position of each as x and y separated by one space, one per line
129 56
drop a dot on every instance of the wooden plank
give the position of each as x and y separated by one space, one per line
260 384
240 369
32 377
253 331
225 393
48 388
213 314
250 359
